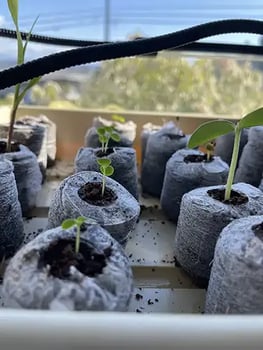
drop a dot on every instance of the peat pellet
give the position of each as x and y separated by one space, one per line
186 170
100 281
160 147
250 166
201 220
123 160
236 281
118 216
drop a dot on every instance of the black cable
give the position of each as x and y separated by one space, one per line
102 52
193 47
222 48
44 39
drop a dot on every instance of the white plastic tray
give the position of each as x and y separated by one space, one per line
165 309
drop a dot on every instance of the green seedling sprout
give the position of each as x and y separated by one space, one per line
68 223
105 134
106 169
21 51
213 129
118 118
210 148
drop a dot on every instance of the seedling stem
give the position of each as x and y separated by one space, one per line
233 163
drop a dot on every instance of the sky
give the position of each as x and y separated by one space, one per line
85 19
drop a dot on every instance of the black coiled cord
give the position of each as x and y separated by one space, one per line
88 54
193 47
43 39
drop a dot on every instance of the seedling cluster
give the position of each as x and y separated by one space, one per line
213 129
106 133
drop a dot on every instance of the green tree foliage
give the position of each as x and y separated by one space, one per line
175 84
46 93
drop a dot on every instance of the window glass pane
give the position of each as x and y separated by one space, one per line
171 82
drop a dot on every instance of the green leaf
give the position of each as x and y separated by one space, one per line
109 129
13 9
116 137
80 220
68 223
29 85
209 131
103 170
104 161
118 118
29 35
102 138
252 119
109 171
101 131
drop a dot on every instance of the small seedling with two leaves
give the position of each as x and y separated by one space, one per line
106 169
213 129
107 133
68 223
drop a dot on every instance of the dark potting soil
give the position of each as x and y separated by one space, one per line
14 147
91 193
236 198
60 255
101 154
258 230
197 158
175 136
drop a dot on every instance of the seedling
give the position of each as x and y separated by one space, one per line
106 169
105 134
68 223
210 148
213 129
118 118
21 50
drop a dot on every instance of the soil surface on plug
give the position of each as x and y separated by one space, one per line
235 197
61 254
14 147
197 158
91 193
101 154
258 230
